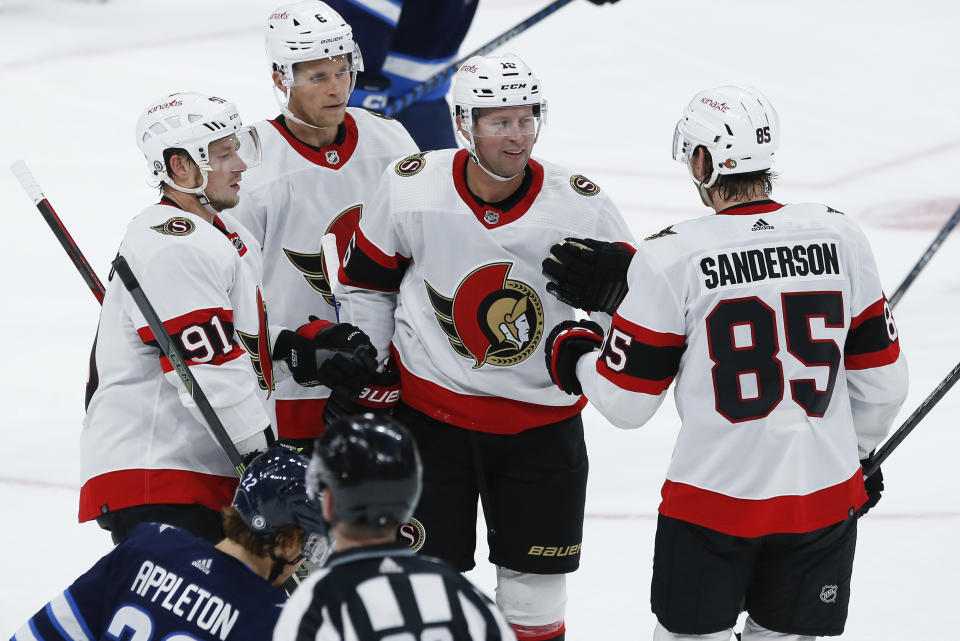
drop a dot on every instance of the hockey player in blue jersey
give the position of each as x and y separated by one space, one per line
165 583
405 42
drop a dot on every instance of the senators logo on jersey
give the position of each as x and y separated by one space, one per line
176 226
490 319
258 345
312 265
411 165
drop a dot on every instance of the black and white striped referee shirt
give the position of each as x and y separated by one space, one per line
389 593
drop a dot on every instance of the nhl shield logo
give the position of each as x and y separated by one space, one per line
828 594
491 217
333 157
490 319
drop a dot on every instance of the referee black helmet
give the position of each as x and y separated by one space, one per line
371 465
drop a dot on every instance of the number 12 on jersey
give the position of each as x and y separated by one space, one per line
743 343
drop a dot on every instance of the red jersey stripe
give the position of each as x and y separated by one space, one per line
759 517
649 336
128 488
873 359
300 417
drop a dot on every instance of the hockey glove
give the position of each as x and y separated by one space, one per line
565 345
380 394
588 274
312 351
873 484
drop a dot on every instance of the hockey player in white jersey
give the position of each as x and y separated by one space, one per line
321 161
772 319
444 271
145 453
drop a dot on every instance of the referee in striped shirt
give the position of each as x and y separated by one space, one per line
373 588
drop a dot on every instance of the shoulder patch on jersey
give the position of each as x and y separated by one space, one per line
378 114
176 226
584 186
831 210
413 533
666 231
411 165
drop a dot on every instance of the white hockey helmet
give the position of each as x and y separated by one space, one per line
489 82
192 121
309 30
737 125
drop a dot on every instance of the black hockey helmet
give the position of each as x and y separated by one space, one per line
273 493
371 465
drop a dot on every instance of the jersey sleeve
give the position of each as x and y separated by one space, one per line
642 350
876 370
189 290
372 269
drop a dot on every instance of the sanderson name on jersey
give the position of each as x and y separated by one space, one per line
761 262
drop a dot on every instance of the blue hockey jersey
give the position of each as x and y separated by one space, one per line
161 583
404 42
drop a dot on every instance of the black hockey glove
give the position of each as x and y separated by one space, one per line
588 274
380 394
873 484
565 345
315 353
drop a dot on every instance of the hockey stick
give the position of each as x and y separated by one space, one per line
445 74
331 261
179 363
927 255
30 185
891 444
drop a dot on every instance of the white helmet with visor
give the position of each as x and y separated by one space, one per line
737 125
491 82
193 122
303 31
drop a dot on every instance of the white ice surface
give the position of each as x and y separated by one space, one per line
868 94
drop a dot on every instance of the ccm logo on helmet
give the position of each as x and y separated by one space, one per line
522 85
166 105
719 106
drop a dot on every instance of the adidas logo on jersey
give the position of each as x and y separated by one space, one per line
761 225
390 566
203 565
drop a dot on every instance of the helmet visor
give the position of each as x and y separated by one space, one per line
323 71
681 147
237 152
505 122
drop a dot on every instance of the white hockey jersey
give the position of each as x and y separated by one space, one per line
787 362
296 195
458 287
143 439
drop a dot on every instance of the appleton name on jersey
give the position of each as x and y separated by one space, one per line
389 592
465 278
296 195
161 583
144 440
787 359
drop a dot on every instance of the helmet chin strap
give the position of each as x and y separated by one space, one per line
279 565
702 187
199 192
284 101
472 149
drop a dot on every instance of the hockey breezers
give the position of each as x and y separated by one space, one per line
924 408
446 73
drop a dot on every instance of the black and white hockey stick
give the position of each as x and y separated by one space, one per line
30 185
445 74
897 437
179 363
927 255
